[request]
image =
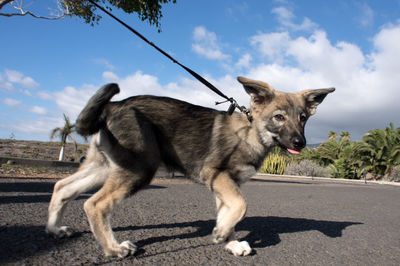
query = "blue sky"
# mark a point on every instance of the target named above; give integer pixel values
(48, 68)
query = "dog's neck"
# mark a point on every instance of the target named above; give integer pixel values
(248, 132)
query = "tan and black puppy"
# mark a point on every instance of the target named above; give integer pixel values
(131, 138)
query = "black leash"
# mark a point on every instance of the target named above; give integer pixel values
(233, 102)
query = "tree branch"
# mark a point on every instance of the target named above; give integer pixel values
(30, 13)
(19, 6)
(4, 2)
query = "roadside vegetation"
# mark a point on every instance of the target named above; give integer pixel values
(377, 156)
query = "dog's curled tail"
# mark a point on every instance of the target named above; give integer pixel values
(89, 120)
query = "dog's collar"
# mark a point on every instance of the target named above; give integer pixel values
(235, 105)
(246, 111)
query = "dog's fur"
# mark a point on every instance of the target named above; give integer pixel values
(131, 138)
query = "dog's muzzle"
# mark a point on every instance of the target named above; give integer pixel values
(297, 143)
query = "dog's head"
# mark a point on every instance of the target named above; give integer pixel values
(280, 117)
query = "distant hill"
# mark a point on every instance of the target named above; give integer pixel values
(313, 146)
(39, 150)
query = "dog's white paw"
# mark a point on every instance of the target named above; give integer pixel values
(238, 248)
(125, 249)
(60, 232)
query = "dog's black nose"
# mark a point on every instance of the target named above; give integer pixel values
(298, 142)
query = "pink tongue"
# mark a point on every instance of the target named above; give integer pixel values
(293, 151)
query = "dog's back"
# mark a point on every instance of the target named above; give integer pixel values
(182, 131)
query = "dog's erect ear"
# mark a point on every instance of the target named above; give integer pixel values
(260, 92)
(314, 97)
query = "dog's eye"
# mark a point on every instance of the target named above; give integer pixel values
(303, 117)
(279, 118)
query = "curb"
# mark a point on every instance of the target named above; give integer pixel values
(38, 163)
(337, 180)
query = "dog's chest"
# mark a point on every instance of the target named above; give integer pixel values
(244, 173)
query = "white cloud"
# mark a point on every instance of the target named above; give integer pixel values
(4, 83)
(16, 77)
(44, 95)
(282, 1)
(286, 17)
(318, 54)
(206, 44)
(284, 14)
(138, 84)
(42, 126)
(367, 14)
(273, 45)
(385, 58)
(315, 53)
(208, 52)
(200, 33)
(244, 61)
(26, 92)
(11, 102)
(104, 62)
(184, 89)
(109, 76)
(38, 110)
(71, 100)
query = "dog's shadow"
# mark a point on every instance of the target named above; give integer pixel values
(262, 231)
(265, 231)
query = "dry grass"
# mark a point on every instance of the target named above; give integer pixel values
(39, 150)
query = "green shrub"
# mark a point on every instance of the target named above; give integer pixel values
(342, 169)
(274, 164)
(306, 168)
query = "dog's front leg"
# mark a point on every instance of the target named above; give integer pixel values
(231, 208)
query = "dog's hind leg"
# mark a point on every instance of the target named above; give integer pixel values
(231, 208)
(120, 184)
(89, 176)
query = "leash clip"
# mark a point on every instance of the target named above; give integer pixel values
(235, 105)
(231, 108)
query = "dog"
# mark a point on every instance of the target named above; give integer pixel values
(132, 137)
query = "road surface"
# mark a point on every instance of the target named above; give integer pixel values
(289, 221)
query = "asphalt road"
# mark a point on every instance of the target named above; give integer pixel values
(289, 221)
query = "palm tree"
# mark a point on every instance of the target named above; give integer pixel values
(377, 153)
(64, 133)
(345, 135)
(382, 150)
(329, 151)
(332, 135)
(340, 156)
(308, 154)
